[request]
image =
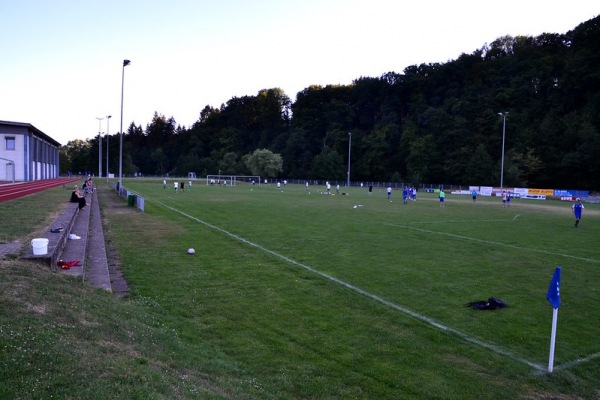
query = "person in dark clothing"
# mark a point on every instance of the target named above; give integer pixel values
(77, 197)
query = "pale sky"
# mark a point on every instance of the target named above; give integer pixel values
(61, 60)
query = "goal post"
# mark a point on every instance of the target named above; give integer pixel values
(232, 180)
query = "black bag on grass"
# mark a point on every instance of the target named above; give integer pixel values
(491, 304)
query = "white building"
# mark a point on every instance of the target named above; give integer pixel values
(26, 153)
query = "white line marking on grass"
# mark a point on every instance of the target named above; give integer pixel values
(512, 246)
(578, 361)
(372, 296)
(459, 221)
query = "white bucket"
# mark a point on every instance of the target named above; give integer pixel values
(40, 246)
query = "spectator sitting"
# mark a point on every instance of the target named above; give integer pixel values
(77, 197)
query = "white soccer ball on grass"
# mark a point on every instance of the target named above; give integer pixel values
(191, 251)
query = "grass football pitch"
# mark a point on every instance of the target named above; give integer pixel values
(292, 294)
(310, 295)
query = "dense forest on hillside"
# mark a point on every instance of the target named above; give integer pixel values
(433, 123)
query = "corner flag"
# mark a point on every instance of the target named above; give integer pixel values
(553, 295)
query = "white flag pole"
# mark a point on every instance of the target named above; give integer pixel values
(553, 340)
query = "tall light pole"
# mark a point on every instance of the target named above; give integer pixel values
(503, 115)
(349, 148)
(125, 63)
(99, 146)
(108, 117)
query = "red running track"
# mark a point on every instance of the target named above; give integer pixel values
(11, 191)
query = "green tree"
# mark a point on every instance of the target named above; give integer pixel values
(379, 157)
(480, 168)
(230, 164)
(160, 160)
(77, 155)
(263, 162)
(297, 154)
(422, 158)
(328, 165)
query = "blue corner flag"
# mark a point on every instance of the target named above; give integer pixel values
(553, 295)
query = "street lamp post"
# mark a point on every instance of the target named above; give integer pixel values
(349, 148)
(503, 115)
(125, 63)
(108, 117)
(99, 146)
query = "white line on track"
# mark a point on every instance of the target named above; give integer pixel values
(512, 246)
(407, 311)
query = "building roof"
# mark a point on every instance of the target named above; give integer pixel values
(33, 129)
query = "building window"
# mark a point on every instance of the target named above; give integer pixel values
(10, 143)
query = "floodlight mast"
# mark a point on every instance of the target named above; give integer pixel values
(503, 115)
(125, 63)
(349, 149)
(108, 117)
(99, 146)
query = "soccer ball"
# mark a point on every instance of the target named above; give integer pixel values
(191, 251)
